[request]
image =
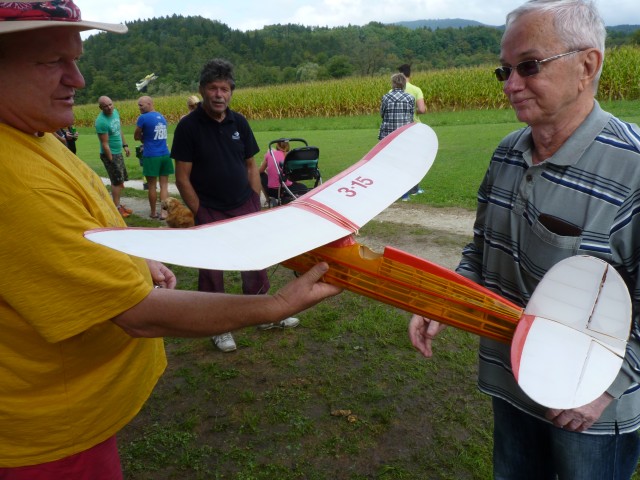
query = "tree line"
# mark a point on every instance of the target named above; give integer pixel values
(176, 47)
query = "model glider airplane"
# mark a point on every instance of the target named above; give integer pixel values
(567, 345)
(144, 82)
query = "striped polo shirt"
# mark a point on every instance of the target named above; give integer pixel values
(584, 200)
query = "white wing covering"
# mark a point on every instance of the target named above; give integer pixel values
(569, 346)
(249, 243)
(331, 211)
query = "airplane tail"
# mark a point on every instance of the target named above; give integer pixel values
(567, 345)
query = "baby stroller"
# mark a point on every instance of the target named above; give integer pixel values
(296, 170)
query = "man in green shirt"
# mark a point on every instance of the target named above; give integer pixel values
(112, 144)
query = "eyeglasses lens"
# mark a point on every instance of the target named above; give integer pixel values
(502, 73)
(525, 69)
(528, 68)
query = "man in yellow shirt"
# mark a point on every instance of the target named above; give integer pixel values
(414, 91)
(420, 108)
(81, 346)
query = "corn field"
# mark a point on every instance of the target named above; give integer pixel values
(621, 74)
(444, 90)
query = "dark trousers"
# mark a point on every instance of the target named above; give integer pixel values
(253, 282)
(526, 448)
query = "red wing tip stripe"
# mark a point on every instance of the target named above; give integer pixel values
(325, 212)
(369, 156)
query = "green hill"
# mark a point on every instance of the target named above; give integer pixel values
(176, 47)
(442, 23)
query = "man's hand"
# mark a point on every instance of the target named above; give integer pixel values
(161, 275)
(422, 331)
(581, 418)
(306, 290)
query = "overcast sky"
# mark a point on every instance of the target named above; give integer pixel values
(255, 14)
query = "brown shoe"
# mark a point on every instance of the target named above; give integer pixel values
(128, 210)
(123, 212)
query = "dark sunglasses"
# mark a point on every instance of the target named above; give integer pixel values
(528, 67)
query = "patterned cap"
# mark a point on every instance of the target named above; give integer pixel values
(20, 16)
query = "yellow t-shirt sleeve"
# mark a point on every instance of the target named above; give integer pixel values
(73, 283)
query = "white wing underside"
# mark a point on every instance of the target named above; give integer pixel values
(331, 211)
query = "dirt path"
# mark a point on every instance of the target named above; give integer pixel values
(452, 220)
(435, 234)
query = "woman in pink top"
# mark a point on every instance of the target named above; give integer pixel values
(272, 169)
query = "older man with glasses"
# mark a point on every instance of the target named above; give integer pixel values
(566, 184)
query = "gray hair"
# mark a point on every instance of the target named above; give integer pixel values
(217, 70)
(398, 80)
(577, 22)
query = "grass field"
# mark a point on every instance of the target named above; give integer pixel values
(466, 140)
(276, 408)
(342, 396)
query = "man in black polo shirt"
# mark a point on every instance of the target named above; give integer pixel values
(217, 175)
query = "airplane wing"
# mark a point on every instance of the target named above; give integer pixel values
(567, 346)
(145, 81)
(330, 211)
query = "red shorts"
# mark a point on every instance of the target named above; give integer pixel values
(101, 462)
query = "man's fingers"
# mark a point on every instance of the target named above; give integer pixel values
(317, 271)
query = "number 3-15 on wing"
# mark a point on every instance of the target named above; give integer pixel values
(359, 182)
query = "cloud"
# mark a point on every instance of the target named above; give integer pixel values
(255, 14)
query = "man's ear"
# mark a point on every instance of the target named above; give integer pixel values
(591, 64)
